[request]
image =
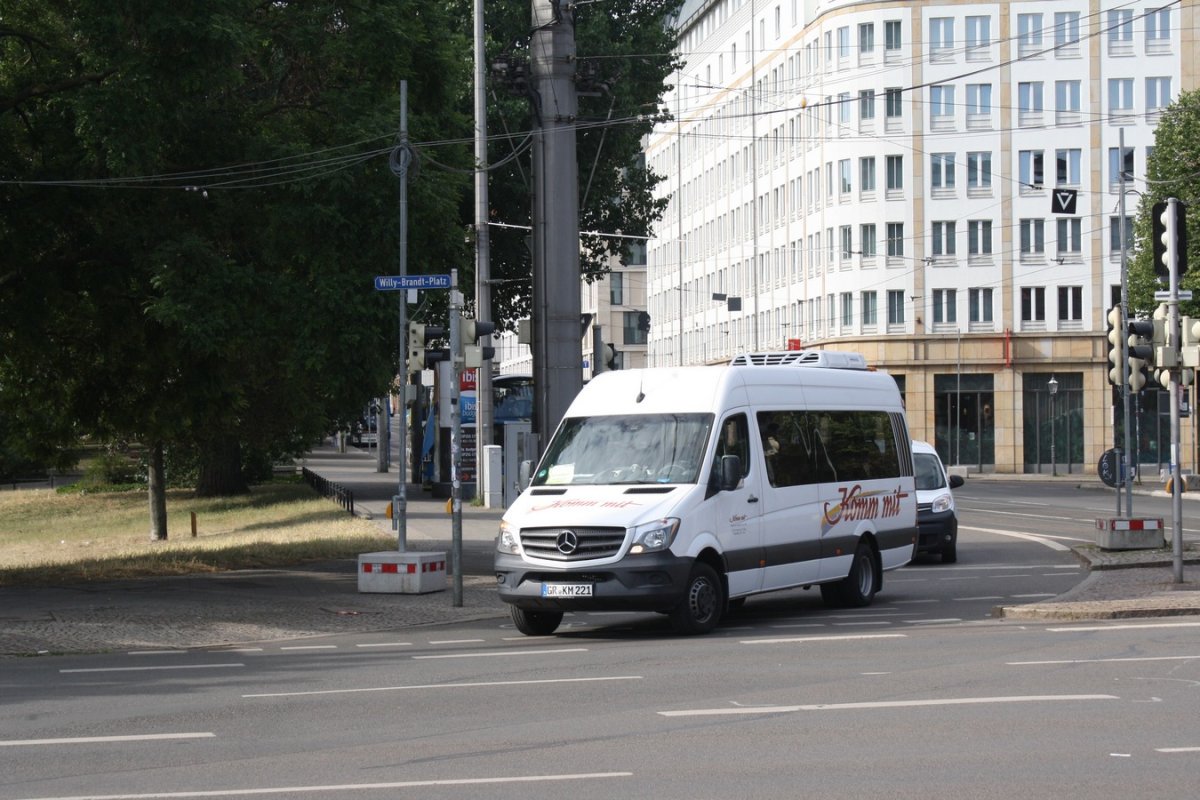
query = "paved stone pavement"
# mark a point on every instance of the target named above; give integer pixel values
(225, 609)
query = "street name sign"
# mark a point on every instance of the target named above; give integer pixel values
(394, 283)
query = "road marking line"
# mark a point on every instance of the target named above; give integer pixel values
(932, 621)
(348, 787)
(147, 669)
(1039, 594)
(493, 653)
(984, 597)
(386, 644)
(1177, 749)
(309, 647)
(1101, 660)
(1043, 540)
(799, 625)
(455, 641)
(960, 701)
(804, 639)
(155, 652)
(473, 685)
(867, 622)
(145, 737)
(1129, 627)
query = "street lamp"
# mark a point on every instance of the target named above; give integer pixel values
(1053, 384)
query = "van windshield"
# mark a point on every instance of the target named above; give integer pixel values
(929, 474)
(652, 448)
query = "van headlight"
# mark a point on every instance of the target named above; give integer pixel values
(653, 537)
(509, 539)
(943, 502)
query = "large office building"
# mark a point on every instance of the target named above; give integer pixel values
(880, 177)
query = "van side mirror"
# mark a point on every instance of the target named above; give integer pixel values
(731, 473)
(524, 472)
(956, 481)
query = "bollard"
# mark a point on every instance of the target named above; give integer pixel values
(193, 524)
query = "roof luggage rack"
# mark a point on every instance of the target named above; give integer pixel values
(830, 359)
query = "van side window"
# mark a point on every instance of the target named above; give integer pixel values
(803, 448)
(734, 440)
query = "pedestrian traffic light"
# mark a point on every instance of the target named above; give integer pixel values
(470, 332)
(418, 335)
(1116, 373)
(1169, 239)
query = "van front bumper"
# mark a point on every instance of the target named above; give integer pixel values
(937, 531)
(646, 582)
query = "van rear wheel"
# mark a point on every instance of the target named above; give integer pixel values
(858, 588)
(702, 604)
(535, 623)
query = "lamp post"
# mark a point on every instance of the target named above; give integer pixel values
(1053, 384)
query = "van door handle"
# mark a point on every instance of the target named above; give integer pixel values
(751, 499)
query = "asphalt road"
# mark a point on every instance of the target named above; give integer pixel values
(922, 694)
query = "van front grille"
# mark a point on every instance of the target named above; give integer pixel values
(572, 544)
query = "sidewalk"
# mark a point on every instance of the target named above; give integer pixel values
(227, 609)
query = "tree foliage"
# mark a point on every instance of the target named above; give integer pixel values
(1173, 170)
(625, 51)
(227, 298)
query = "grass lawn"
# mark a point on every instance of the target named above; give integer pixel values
(52, 538)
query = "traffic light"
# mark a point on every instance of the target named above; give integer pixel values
(1116, 373)
(1166, 351)
(643, 322)
(418, 335)
(1141, 351)
(471, 331)
(1189, 346)
(1169, 222)
(609, 355)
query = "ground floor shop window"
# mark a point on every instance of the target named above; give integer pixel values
(1052, 427)
(965, 420)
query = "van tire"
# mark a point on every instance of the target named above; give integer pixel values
(702, 604)
(535, 623)
(857, 589)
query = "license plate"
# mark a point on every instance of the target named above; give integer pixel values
(566, 590)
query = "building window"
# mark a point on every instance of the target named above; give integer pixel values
(847, 309)
(945, 306)
(847, 242)
(844, 175)
(870, 309)
(941, 105)
(979, 35)
(979, 237)
(1120, 96)
(894, 103)
(632, 327)
(895, 239)
(1158, 30)
(891, 35)
(1114, 235)
(895, 300)
(1120, 31)
(941, 170)
(866, 104)
(1033, 237)
(941, 36)
(895, 173)
(1033, 304)
(1066, 32)
(979, 99)
(1070, 303)
(1066, 167)
(980, 301)
(843, 108)
(943, 235)
(616, 288)
(979, 171)
(868, 247)
(1029, 103)
(1117, 165)
(1158, 94)
(866, 175)
(1070, 237)
(1031, 170)
(1029, 34)
(866, 39)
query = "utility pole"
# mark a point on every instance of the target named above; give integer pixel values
(400, 162)
(557, 351)
(483, 286)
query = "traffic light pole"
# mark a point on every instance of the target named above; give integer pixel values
(1174, 338)
(1126, 459)
(400, 163)
(456, 370)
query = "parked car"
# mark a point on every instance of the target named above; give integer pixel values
(936, 517)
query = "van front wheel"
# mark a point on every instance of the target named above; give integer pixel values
(702, 604)
(535, 623)
(858, 588)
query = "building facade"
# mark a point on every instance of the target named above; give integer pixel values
(882, 176)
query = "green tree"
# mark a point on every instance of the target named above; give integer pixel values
(625, 51)
(1173, 170)
(153, 294)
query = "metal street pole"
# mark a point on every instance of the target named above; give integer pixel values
(1173, 340)
(456, 370)
(1127, 477)
(400, 161)
(483, 286)
(1053, 439)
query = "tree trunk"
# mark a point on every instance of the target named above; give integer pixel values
(221, 468)
(157, 481)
